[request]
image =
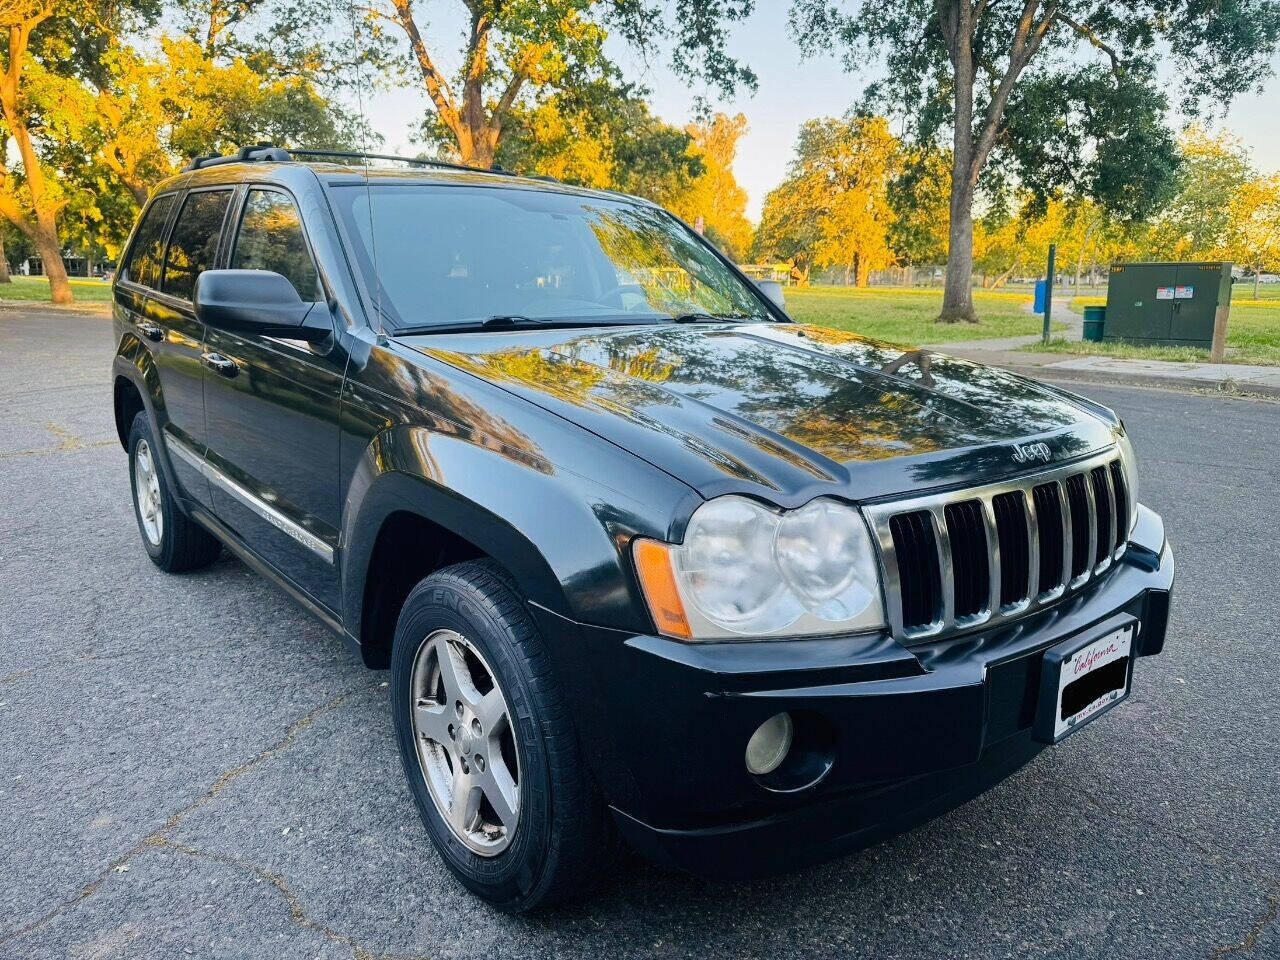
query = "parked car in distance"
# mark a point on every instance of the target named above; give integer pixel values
(646, 559)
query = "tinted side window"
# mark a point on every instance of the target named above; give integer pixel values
(271, 238)
(144, 259)
(193, 244)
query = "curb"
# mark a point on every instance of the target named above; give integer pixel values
(1234, 388)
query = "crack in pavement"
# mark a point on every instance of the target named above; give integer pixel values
(1269, 916)
(158, 837)
(297, 910)
(68, 442)
(99, 657)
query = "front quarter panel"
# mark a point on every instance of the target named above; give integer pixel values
(555, 504)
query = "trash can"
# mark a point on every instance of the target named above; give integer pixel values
(1094, 318)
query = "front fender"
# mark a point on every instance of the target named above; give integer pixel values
(562, 535)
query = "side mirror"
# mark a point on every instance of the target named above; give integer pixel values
(257, 301)
(773, 290)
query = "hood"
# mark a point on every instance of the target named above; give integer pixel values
(785, 411)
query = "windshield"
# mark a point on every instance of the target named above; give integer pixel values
(448, 255)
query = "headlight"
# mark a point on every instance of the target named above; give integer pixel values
(745, 570)
(1129, 464)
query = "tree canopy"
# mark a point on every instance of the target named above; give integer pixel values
(833, 209)
(1064, 93)
(538, 48)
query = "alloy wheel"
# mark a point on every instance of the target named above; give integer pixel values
(465, 742)
(146, 486)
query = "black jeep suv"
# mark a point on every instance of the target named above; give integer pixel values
(645, 558)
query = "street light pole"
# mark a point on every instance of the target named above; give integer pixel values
(1048, 292)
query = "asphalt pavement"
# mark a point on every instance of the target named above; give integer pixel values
(191, 766)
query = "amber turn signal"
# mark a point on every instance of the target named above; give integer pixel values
(658, 581)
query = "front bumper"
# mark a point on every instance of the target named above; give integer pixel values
(903, 734)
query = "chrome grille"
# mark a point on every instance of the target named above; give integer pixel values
(958, 560)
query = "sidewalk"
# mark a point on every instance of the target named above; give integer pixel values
(1006, 352)
(1229, 377)
(1063, 314)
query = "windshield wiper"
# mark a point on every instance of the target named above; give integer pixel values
(509, 322)
(513, 320)
(698, 317)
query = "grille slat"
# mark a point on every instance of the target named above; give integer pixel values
(920, 588)
(1015, 548)
(1051, 526)
(1105, 514)
(967, 532)
(1078, 503)
(1122, 503)
(982, 555)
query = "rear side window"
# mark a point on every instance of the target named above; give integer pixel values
(271, 238)
(144, 259)
(193, 244)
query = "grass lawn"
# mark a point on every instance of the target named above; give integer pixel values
(906, 315)
(1253, 332)
(37, 288)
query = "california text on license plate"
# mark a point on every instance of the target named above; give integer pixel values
(1090, 679)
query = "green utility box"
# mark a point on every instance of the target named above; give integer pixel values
(1170, 304)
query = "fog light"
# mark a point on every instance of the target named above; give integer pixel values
(768, 746)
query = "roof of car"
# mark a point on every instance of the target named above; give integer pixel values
(295, 171)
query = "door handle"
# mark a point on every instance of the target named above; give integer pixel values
(220, 364)
(151, 331)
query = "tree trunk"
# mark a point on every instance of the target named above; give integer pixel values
(4, 264)
(1000, 280)
(44, 230)
(957, 290)
(1255, 283)
(46, 240)
(863, 272)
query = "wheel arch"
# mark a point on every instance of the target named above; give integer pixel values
(135, 387)
(406, 528)
(127, 403)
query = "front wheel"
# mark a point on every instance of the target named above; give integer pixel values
(487, 745)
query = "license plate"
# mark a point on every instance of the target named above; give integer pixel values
(1084, 678)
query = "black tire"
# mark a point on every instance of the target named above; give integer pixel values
(564, 836)
(182, 543)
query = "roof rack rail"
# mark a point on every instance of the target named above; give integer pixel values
(259, 152)
(267, 153)
(417, 161)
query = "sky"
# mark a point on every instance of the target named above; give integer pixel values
(791, 90)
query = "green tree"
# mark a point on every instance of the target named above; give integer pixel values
(514, 47)
(788, 233)
(833, 209)
(48, 52)
(956, 66)
(1255, 214)
(598, 134)
(715, 198)
(919, 196)
(1198, 221)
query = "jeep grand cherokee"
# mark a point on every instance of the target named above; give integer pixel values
(645, 558)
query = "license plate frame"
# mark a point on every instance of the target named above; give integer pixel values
(1098, 657)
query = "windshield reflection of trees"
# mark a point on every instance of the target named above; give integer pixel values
(675, 273)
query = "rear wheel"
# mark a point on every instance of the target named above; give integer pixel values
(490, 753)
(173, 540)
